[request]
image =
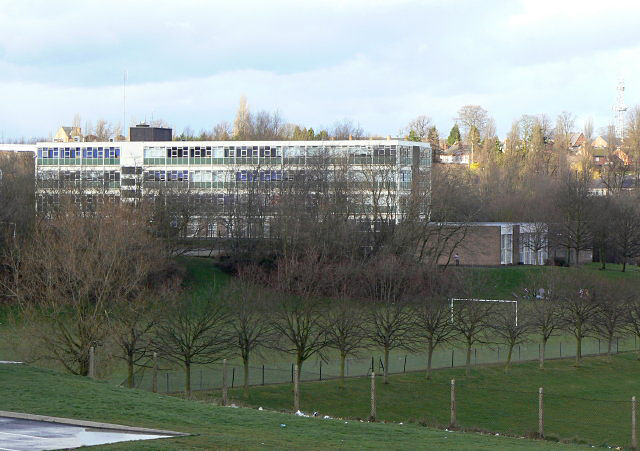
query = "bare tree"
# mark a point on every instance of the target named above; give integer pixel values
(385, 285)
(193, 329)
(222, 131)
(243, 125)
(75, 268)
(297, 311)
(249, 315)
(579, 310)
(344, 324)
(611, 316)
(419, 128)
(470, 321)
(510, 329)
(626, 228)
(433, 315)
(544, 309)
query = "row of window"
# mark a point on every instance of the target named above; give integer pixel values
(265, 151)
(212, 176)
(78, 152)
(89, 176)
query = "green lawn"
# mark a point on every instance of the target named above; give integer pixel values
(590, 403)
(39, 391)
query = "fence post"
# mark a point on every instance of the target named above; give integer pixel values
(452, 358)
(154, 376)
(634, 432)
(453, 403)
(262, 374)
(296, 390)
(519, 358)
(372, 364)
(404, 368)
(224, 382)
(92, 363)
(372, 417)
(498, 353)
(540, 412)
(475, 355)
(233, 375)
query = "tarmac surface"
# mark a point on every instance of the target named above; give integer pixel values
(18, 435)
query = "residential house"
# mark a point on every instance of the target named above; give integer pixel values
(599, 143)
(455, 154)
(68, 134)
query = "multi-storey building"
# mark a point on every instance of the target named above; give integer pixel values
(217, 170)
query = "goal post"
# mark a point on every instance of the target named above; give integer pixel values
(503, 301)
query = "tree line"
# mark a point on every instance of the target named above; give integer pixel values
(102, 280)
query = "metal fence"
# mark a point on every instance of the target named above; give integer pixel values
(209, 377)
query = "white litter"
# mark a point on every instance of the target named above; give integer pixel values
(327, 417)
(302, 414)
(282, 425)
(260, 408)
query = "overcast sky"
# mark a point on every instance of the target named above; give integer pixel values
(379, 63)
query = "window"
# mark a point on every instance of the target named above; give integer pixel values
(255, 152)
(197, 152)
(506, 249)
(267, 152)
(185, 151)
(174, 152)
(89, 152)
(78, 153)
(55, 152)
(207, 152)
(99, 153)
(243, 152)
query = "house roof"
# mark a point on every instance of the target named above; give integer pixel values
(599, 142)
(575, 137)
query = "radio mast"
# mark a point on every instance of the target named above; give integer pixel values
(620, 109)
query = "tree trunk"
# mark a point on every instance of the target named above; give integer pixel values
(386, 365)
(342, 359)
(609, 346)
(507, 364)
(578, 350)
(296, 385)
(245, 361)
(187, 379)
(429, 358)
(624, 264)
(542, 350)
(468, 365)
(130, 371)
(603, 256)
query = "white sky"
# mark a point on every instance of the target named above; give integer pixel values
(379, 63)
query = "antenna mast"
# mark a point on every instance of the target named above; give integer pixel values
(124, 104)
(620, 109)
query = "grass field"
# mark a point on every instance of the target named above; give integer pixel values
(40, 391)
(589, 404)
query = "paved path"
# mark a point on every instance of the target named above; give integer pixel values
(26, 435)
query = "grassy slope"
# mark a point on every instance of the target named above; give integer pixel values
(489, 399)
(39, 391)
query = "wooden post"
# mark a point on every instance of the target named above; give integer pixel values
(154, 376)
(296, 389)
(453, 403)
(92, 363)
(404, 368)
(262, 374)
(224, 382)
(634, 418)
(452, 358)
(540, 413)
(372, 417)
(233, 375)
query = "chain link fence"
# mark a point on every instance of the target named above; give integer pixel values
(209, 377)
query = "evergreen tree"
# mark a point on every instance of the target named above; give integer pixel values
(454, 135)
